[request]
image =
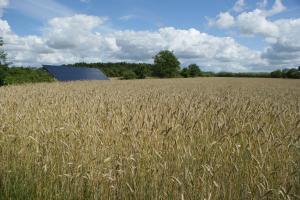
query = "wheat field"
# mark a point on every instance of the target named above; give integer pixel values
(202, 138)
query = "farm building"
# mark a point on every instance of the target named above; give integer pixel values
(66, 73)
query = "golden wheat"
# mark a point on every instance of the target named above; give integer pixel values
(203, 138)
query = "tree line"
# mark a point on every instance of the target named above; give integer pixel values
(286, 73)
(166, 65)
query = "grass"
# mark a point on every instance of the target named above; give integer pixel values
(203, 138)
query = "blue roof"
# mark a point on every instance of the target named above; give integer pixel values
(65, 73)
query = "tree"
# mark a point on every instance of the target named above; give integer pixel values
(3, 74)
(284, 73)
(3, 55)
(141, 71)
(184, 73)
(128, 75)
(194, 70)
(293, 73)
(3, 63)
(166, 65)
(276, 74)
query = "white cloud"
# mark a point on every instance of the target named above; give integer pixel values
(71, 39)
(285, 49)
(81, 37)
(64, 40)
(4, 28)
(76, 34)
(239, 6)
(256, 23)
(76, 23)
(282, 36)
(224, 20)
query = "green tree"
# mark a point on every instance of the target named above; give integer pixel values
(3, 64)
(184, 73)
(19, 75)
(2, 53)
(129, 75)
(3, 74)
(293, 73)
(276, 74)
(194, 70)
(284, 73)
(141, 71)
(166, 65)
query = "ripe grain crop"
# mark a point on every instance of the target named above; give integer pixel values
(202, 138)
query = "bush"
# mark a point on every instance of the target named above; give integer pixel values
(194, 70)
(184, 73)
(225, 74)
(276, 74)
(293, 73)
(208, 74)
(129, 75)
(19, 75)
(3, 74)
(141, 71)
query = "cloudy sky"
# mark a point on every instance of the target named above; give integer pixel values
(218, 35)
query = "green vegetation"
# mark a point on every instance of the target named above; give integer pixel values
(19, 75)
(129, 75)
(166, 65)
(276, 74)
(3, 73)
(286, 73)
(3, 64)
(119, 69)
(245, 74)
(2, 53)
(193, 70)
(142, 71)
(184, 73)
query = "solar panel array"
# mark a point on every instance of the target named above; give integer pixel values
(65, 73)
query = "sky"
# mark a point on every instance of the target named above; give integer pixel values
(217, 35)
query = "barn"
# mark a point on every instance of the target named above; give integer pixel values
(66, 73)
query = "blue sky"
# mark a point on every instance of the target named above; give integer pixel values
(232, 31)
